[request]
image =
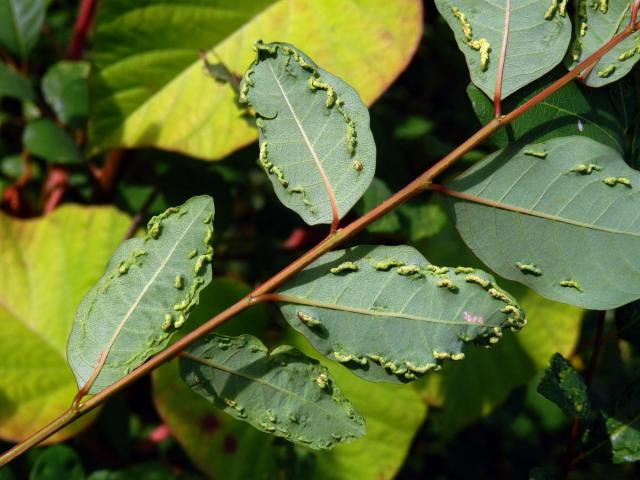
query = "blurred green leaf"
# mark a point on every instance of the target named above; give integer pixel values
(148, 78)
(565, 387)
(58, 462)
(65, 89)
(413, 128)
(147, 292)
(20, 25)
(572, 110)
(66, 252)
(45, 139)
(377, 192)
(13, 85)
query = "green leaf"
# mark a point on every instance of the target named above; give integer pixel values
(65, 89)
(393, 413)
(537, 40)
(20, 25)
(569, 111)
(231, 449)
(389, 315)
(13, 85)
(62, 255)
(283, 392)
(617, 437)
(315, 141)
(466, 391)
(423, 221)
(45, 139)
(565, 387)
(6, 473)
(56, 462)
(564, 225)
(378, 192)
(148, 79)
(148, 289)
(595, 24)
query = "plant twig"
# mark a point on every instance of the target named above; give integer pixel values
(418, 185)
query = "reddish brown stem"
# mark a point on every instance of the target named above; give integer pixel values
(260, 294)
(497, 91)
(81, 29)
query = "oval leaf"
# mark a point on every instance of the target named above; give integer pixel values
(389, 315)
(315, 141)
(538, 38)
(137, 106)
(64, 87)
(284, 393)
(45, 139)
(596, 23)
(149, 288)
(560, 217)
(20, 25)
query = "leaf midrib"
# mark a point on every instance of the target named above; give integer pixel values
(223, 368)
(314, 155)
(535, 213)
(365, 311)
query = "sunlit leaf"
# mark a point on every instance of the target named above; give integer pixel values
(58, 461)
(64, 87)
(150, 286)
(66, 252)
(150, 88)
(389, 315)
(47, 140)
(13, 85)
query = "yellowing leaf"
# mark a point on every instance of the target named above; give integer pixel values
(48, 264)
(149, 87)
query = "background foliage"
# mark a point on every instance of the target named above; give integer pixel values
(72, 184)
